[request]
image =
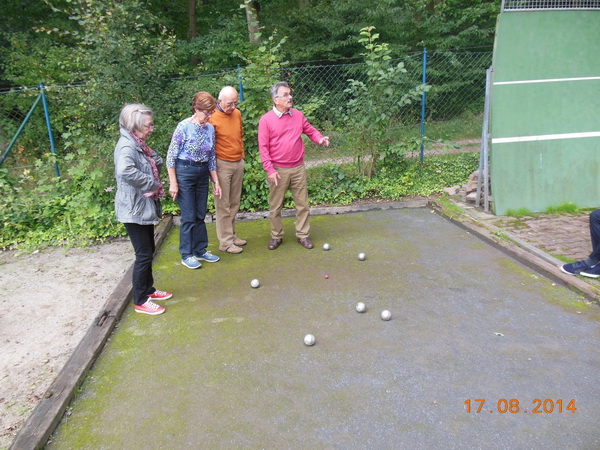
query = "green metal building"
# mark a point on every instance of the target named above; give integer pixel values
(545, 105)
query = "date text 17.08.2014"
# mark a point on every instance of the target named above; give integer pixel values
(513, 406)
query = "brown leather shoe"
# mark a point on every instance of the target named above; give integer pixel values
(306, 243)
(274, 243)
(233, 249)
(239, 242)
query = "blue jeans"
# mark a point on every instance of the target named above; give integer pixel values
(595, 235)
(192, 199)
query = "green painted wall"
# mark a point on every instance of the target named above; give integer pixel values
(545, 45)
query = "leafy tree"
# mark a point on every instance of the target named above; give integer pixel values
(119, 54)
(218, 49)
(376, 103)
(406, 25)
(123, 54)
(317, 29)
(29, 46)
(448, 24)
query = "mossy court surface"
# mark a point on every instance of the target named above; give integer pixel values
(226, 366)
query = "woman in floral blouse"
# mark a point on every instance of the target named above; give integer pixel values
(191, 162)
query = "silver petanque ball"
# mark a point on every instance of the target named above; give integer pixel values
(309, 340)
(255, 283)
(361, 307)
(362, 256)
(326, 247)
(386, 315)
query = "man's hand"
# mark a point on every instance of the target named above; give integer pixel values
(272, 177)
(217, 190)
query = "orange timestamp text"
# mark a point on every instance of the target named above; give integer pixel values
(513, 406)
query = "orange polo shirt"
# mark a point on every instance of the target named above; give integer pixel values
(229, 144)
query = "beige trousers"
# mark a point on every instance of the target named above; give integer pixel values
(293, 179)
(231, 175)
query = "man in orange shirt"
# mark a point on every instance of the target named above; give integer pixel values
(229, 148)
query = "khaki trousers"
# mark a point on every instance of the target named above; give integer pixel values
(230, 174)
(294, 179)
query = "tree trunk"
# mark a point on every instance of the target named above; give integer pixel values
(252, 8)
(192, 32)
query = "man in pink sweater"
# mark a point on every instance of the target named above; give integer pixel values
(282, 153)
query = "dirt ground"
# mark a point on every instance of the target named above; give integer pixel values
(49, 299)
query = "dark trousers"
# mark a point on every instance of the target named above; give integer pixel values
(142, 239)
(192, 199)
(595, 235)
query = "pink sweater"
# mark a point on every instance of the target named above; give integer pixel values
(280, 139)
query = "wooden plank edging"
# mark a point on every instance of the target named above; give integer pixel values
(42, 422)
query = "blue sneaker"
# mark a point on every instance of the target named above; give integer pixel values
(594, 272)
(208, 257)
(191, 263)
(576, 268)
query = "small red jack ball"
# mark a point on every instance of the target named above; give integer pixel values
(326, 276)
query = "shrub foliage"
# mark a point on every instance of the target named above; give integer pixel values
(38, 209)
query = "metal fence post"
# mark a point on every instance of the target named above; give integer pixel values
(423, 103)
(50, 135)
(14, 139)
(483, 178)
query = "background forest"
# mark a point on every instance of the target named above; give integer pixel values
(95, 55)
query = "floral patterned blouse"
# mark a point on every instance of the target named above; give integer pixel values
(192, 142)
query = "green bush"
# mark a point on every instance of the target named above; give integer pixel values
(333, 184)
(375, 103)
(37, 209)
(410, 177)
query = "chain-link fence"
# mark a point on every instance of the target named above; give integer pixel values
(540, 5)
(457, 81)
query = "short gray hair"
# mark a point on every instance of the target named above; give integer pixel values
(133, 115)
(273, 89)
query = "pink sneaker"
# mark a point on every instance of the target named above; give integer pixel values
(150, 308)
(160, 295)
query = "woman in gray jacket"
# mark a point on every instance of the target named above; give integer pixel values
(137, 202)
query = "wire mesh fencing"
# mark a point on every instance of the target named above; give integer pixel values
(540, 5)
(15, 108)
(457, 81)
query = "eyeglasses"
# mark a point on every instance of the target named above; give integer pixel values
(230, 104)
(206, 113)
(149, 126)
(287, 94)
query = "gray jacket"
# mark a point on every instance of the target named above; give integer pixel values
(134, 179)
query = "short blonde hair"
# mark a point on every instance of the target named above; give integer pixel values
(133, 116)
(203, 101)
